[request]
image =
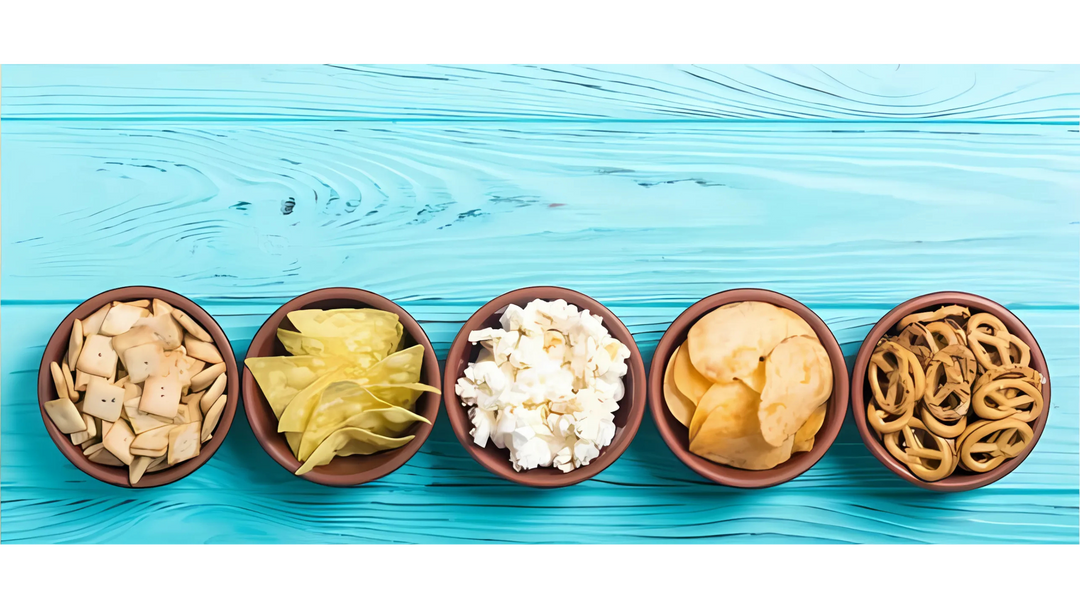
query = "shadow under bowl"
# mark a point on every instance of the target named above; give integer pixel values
(354, 469)
(960, 480)
(677, 435)
(627, 418)
(57, 347)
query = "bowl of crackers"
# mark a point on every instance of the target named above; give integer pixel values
(950, 391)
(138, 386)
(748, 388)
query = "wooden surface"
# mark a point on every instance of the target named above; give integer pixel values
(848, 188)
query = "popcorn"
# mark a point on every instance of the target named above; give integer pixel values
(546, 386)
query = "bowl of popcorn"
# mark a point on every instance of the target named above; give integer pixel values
(138, 387)
(544, 386)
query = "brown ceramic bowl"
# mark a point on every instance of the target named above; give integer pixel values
(58, 345)
(676, 435)
(627, 418)
(354, 469)
(961, 480)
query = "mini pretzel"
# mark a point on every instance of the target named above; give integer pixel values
(948, 382)
(991, 401)
(910, 446)
(940, 428)
(944, 333)
(905, 379)
(940, 314)
(985, 445)
(915, 339)
(1007, 349)
(879, 422)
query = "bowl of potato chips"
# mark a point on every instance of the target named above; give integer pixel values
(339, 386)
(950, 391)
(748, 388)
(138, 386)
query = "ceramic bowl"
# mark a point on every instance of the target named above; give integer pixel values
(57, 347)
(677, 436)
(961, 480)
(354, 469)
(627, 418)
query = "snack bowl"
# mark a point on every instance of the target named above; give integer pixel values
(861, 395)
(354, 469)
(57, 347)
(675, 434)
(627, 418)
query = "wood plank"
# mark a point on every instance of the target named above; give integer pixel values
(851, 219)
(539, 92)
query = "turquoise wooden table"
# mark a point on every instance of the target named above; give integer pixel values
(849, 188)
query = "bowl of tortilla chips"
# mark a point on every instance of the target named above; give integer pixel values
(748, 388)
(338, 386)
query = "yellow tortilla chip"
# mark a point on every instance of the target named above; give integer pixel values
(375, 329)
(687, 379)
(337, 441)
(729, 432)
(295, 416)
(293, 438)
(677, 402)
(798, 378)
(356, 352)
(281, 378)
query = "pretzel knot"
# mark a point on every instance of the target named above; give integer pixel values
(993, 401)
(993, 345)
(940, 428)
(904, 380)
(948, 382)
(953, 312)
(986, 444)
(929, 457)
(885, 424)
(917, 340)
(944, 333)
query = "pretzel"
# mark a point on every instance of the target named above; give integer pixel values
(948, 382)
(905, 379)
(881, 425)
(909, 445)
(987, 330)
(915, 339)
(940, 314)
(986, 444)
(945, 333)
(991, 401)
(940, 428)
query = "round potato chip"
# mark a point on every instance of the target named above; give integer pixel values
(730, 342)
(687, 379)
(798, 378)
(677, 402)
(725, 430)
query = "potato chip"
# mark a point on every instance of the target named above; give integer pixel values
(677, 402)
(379, 330)
(804, 436)
(687, 379)
(337, 441)
(730, 342)
(756, 380)
(728, 433)
(357, 352)
(283, 377)
(798, 378)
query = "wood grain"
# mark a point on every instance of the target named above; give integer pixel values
(242, 187)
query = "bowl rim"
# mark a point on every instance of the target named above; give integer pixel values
(458, 414)
(727, 475)
(954, 482)
(46, 387)
(253, 396)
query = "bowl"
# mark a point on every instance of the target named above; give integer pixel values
(960, 480)
(57, 347)
(627, 418)
(354, 469)
(675, 434)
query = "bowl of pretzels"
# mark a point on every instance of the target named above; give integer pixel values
(950, 391)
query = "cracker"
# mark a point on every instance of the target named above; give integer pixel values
(191, 326)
